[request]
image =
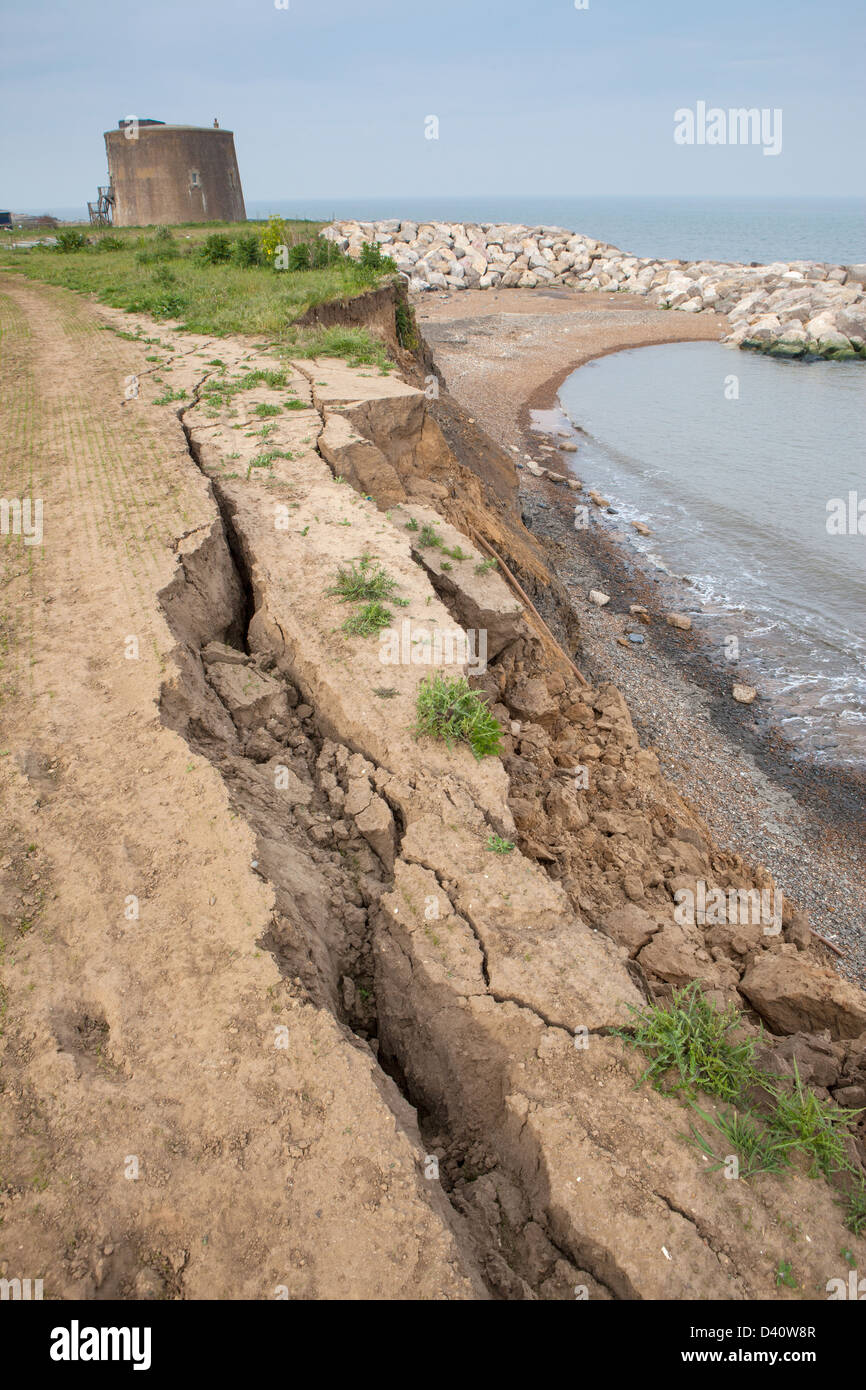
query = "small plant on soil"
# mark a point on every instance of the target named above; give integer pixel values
(757, 1151)
(815, 1127)
(784, 1275)
(485, 566)
(456, 552)
(498, 845)
(263, 409)
(856, 1208)
(448, 709)
(429, 537)
(170, 396)
(411, 524)
(688, 1041)
(363, 580)
(369, 620)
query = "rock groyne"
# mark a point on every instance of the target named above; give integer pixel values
(792, 309)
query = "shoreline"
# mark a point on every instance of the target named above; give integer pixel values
(758, 796)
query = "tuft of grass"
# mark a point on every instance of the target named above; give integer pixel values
(486, 565)
(411, 524)
(758, 1150)
(498, 845)
(690, 1037)
(170, 396)
(817, 1128)
(855, 1216)
(263, 409)
(428, 537)
(448, 709)
(363, 580)
(369, 620)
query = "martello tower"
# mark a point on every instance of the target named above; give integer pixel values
(165, 174)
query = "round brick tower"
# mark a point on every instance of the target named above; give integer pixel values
(166, 174)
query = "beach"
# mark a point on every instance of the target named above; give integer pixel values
(504, 355)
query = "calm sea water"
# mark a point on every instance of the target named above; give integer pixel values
(692, 229)
(736, 493)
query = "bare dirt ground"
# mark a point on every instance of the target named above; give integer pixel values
(154, 1140)
(504, 355)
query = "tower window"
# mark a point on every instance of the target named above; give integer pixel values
(194, 179)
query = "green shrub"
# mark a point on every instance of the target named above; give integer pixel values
(216, 249)
(299, 256)
(247, 250)
(448, 709)
(108, 243)
(68, 239)
(325, 253)
(371, 258)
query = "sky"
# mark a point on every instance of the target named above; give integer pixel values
(331, 98)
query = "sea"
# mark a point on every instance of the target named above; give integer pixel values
(750, 473)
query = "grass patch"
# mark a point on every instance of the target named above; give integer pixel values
(369, 620)
(689, 1046)
(222, 282)
(358, 347)
(498, 845)
(449, 710)
(363, 580)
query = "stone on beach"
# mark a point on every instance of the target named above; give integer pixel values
(679, 620)
(744, 694)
